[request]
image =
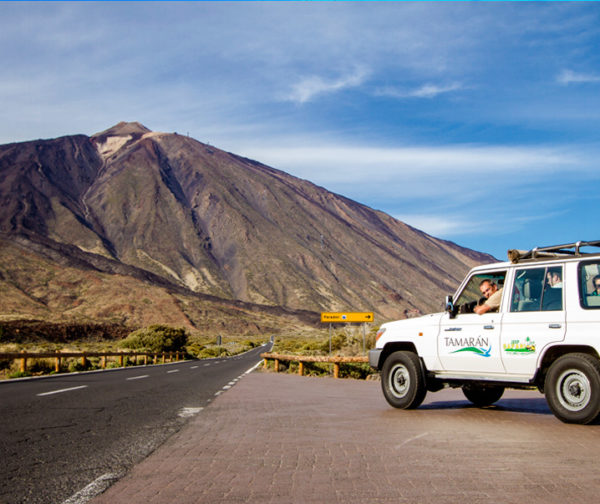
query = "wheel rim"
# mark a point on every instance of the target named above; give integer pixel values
(399, 380)
(573, 390)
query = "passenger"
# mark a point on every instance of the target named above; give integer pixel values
(596, 285)
(552, 299)
(493, 297)
(554, 279)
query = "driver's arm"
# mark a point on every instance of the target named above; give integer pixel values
(481, 309)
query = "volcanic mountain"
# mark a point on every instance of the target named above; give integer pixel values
(179, 214)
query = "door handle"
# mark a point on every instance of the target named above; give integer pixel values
(554, 326)
(488, 327)
(453, 329)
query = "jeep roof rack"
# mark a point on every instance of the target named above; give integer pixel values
(552, 252)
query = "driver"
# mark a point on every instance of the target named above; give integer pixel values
(493, 297)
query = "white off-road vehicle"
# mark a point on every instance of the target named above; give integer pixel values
(545, 335)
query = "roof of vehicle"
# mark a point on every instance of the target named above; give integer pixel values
(566, 251)
(550, 253)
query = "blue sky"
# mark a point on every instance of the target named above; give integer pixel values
(475, 122)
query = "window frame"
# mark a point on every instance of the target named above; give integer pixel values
(494, 275)
(583, 296)
(546, 268)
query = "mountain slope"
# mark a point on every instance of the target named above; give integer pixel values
(216, 223)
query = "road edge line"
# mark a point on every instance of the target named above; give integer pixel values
(93, 489)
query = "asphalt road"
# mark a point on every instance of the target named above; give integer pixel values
(58, 434)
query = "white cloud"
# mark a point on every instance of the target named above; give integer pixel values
(569, 77)
(425, 91)
(443, 226)
(356, 162)
(311, 87)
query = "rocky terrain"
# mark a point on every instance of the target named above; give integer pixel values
(134, 226)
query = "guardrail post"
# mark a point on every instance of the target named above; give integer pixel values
(121, 359)
(103, 362)
(276, 365)
(145, 359)
(336, 369)
(265, 363)
(300, 368)
(83, 360)
(57, 364)
(23, 361)
(164, 358)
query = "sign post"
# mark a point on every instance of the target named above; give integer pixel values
(347, 318)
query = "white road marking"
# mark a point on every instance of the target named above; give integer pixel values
(138, 377)
(218, 392)
(206, 365)
(194, 367)
(173, 371)
(253, 367)
(189, 412)
(412, 439)
(62, 390)
(94, 488)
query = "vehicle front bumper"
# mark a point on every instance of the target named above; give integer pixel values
(374, 356)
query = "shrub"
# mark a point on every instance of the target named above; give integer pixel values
(157, 338)
(213, 351)
(338, 341)
(19, 374)
(41, 366)
(75, 366)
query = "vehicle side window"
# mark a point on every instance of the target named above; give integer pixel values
(537, 289)
(471, 295)
(589, 285)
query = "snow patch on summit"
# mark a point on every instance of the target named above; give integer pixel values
(112, 144)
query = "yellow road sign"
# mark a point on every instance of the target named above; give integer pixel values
(343, 317)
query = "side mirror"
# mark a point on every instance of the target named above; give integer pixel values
(450, 306)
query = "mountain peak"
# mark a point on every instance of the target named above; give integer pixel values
(111, 140)
(123, 129)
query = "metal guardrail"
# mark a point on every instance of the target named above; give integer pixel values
(302, 359)
(124, 357)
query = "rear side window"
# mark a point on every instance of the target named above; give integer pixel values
(538, 289)
(589, 284)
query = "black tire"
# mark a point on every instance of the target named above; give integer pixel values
(482, 395)
(403, 380)
(572, 388)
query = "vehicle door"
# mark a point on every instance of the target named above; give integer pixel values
(535, 318)
(469, 342)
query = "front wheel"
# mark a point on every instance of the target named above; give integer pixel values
(572, 388)
(403, 380)
(483, 395)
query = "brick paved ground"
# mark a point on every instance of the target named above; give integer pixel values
(283, 438)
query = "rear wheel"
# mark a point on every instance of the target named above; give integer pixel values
(403, 380)
(572, 388)
(482, 395)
